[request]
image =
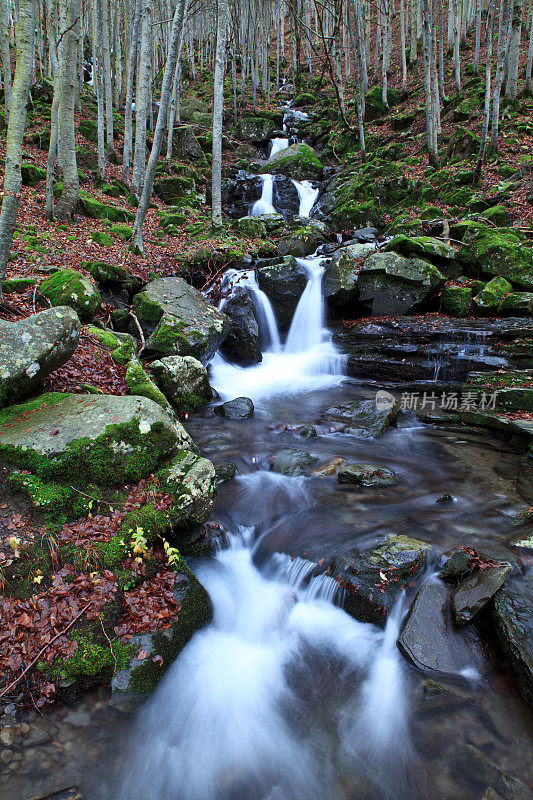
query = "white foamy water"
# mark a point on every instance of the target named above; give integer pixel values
(307, 196)
(264, 204)
(276, 145)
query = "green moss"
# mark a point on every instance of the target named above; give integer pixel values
(123, 232)
(91, 659)
(17, 284)
(139, 383)
(153, 522)
(498, 251)
(101, 238)
(456, 300)
(70, 288)
(91, 208)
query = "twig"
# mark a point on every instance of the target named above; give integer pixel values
(141, 334)
(33, 299)
(110, 645)
(42, 650)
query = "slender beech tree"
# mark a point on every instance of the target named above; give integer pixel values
(15, 131)
(5, 59)
(66, 205)
(142, 97)
(511, 85)
(500, 69)
(218, 112)
(128, 113)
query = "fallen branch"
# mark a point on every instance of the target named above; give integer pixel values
(141, 334)
(42, 650)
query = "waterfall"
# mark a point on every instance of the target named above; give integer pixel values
(264, 204)
(307, 196)
(307, 325)
(276, 145)
(232, 282)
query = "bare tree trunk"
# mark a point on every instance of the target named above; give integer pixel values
(51, 10)
(440, 20)
(5, 59)
(478, 36)
(402, 45)
(358, 84)
(108, 77)
(500, 68)
(218, 110)
(67, 96)
(172, 112)
(431, 122)
(174, 52)
(456, 43)
(128, 114)
(15, 131)
(142, 98)
(98, 69)
(486, 109)
(529, 59)
(511, 86)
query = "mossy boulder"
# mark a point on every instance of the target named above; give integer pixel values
(177, 320)
(392, 284)
(124, 232)
(299, 161)
(304, 99)
(134, 681)
(89, 130)
(183, 380)
(101, 238)
(498, 251)
(173, 189)
(517, 304)
(102, 439)
(255, 129)
(374, 105)
(33, 347)
(112, 276)
(366, 475)
(17, 284)
(192, 105)
(123, 346)
(32, 174)
(498, 215)
(303, 241)
(423, 246)
(489, 298)
(463, 144)
(293, 463)
(192, 482)
(66, 287)
(185, 145)
(340, 276)
(400, 122)
(456, 300)
(252, 227)
(139, 383)
(89, 207)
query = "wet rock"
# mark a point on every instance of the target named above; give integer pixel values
(498, 252)
(513, 617)
(185, 145)
(111, 276)
(435, 250)
(394, 285)
(430, 640)
(107, 439)
(489, 299)
(362, 418)
(225, 472)
(293, 462)
(306, 432)
(473, 594)
(242, 345)
(66, 287)
(517, 304)
(192, 481)
(183, 380)
(177, 320)
(155, 652)
(340, 276)
(299, 161)
(373, 579)
(240, 408)
(79, 719)
(34, 347)
(328, 469)
(487, 772)
(367, 475)
(365, 235)
(272, 222)
(255, 129)
(456, 566)
(303, 241)
(283, 282)
(240, 192)
(286, 198)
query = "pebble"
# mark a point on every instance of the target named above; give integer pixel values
(78, 718)
(7, 736)
(6, 756)
(36, 737)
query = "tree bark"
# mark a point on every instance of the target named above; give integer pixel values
(67, 97)
(128, 114)
(5, 59)
(218, 110)
(511, 86)
(142, 98)
(500, 68)
(15, 131)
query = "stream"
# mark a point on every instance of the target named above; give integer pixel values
(284, 696)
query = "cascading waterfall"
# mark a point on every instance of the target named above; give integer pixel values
(237, 715)
(278, 144)
(307, 196)
(232, 282)
(264, 204)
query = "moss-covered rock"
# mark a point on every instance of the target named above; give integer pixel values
(89, 207)
(192, 482)
(183, 380)
(124, 232)
(123, 346)
(303, 241)
(59, 503)
(374, 105)
(173, 189)
(66, 287)
(489, 298)
(89, 130)
(304, 99)
(32, 174)
(512, 614)
(139, 383)
(111, 275)
(101, 238)
(340, 276)
(516, 304)
(423, 246)
(255, 129)
(298, 161)
(293, 463)
(101, 439)
(498, 215)
(392, 284)
(17, 284)
(463, 144)
(498, 251)
(32, 348)
(456, 300)
(178, 320)
(252, 227)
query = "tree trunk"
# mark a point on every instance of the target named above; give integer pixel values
(529, 59)
(108, 78)
(486, 109)
(98, 69)
(128, 114)
(218, 109)
(5, 59)
(478, 36)
(67, 97)
(142, 98)
(16, 127)
(500, 68)
(174, 52)
(431, 122)
(511, 86)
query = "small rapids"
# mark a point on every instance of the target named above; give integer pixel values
(283, 696)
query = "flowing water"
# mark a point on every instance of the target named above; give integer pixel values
(264, 204)
(283, 696)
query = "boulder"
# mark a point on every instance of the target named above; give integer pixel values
(285, 195)
(430, 640)
(303, 241)
(153, 653)
(242, 345)
(340, 276)
(185, 145)
(177, 320)
(456, 300)
(293, 462)
(433, 250)
(473, 594)
(103, 439)
(139, 383)
(32, 348)
(192, 105)
(173, 189)
(373, 579)
(283, 282)
(240, 408)
(498, 252)
(502, 786)
(513, 618)
(66, 287)
(253, 227)
(516, 304)
(363, 418)
(192, 481)
(32, 174)
(463, 144)
(367, 475)
(255, 129)
(299, 161)
(183, 380)
(112, 276)
(394, 285)
(489, 299)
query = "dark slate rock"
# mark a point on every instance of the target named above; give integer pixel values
(513, 616)
(293, 462)
(473, 594)
(242, 344)
(367, 475)
(240, 408)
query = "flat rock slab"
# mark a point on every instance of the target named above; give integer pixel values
(106, 439)
(431, 641)
(474, 592)
(32, 348)
(367, 475)
(240, 408)
(513, 616)
(362, 418)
